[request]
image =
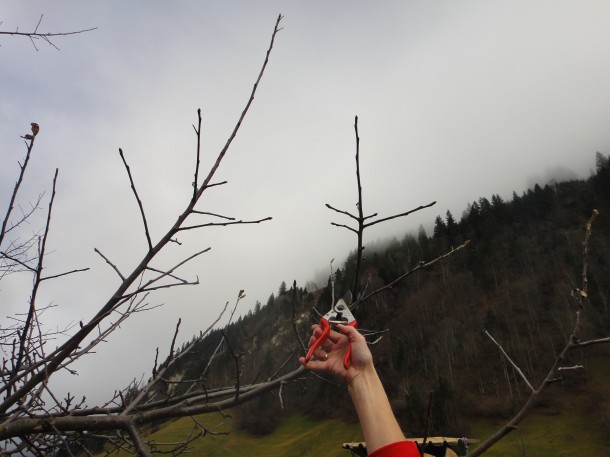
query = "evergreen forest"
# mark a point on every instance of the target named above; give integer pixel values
(514, 280)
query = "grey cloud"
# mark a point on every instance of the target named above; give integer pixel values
(455, 102)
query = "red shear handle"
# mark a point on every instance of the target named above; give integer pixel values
(316, 344)
(348, 355)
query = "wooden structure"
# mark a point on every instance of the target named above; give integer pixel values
(436, 446)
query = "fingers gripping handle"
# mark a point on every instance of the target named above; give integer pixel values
(348, 354)
(325, 332)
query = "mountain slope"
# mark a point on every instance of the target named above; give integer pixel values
(513, 280)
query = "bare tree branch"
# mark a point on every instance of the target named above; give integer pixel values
(551, 377)
(342, 212)
(294, 317)
(514, 365)
(139, 445)
(171, 349)
(215, 215)
(114, 267)
(361, 219)
(35, 35)
(135, 192)
(37, 278)
(171, 270)
(79, 270)
(198, 134)
(136, 403)
(235, 356)
(582, 344)
(11, 204)
(422, 265)
(406, 213)
(17, 261)
(224, 150)
(224, 224)
(97, 423)
(345, 226)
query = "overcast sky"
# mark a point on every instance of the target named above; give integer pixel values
(456, 100)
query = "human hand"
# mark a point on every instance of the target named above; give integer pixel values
(329, 356)
(377, 420)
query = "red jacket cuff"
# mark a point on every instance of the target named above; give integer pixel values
(397, 449)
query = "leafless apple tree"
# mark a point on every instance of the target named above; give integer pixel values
(33, 419)
(36, 421)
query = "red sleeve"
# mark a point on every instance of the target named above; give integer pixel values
(397, 449)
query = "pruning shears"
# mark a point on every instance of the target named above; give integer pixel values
(338, 314)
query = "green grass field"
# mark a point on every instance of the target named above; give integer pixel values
(561, 434)
(296, 437)
(571, 424)
(556, 433)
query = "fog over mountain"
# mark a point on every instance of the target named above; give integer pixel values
(455, 101)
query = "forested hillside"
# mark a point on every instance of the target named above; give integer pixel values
(514, 280)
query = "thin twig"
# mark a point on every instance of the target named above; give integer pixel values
(421, 265)
(581, 344)
(130, 295)
(16, 189)
(235, 358)
(171, 349)
(23, 337)
(224, 224)
(224, 150)
(342, 212)
(360, 233)
(135, 192)
(279, 394)
(157, 375)
(288, 358)
(206, 213)
(294, 316)
(110, 263)
(572, 368)
(198, 133)
(514, 365)
(138, 443)
(35, 35)
(163, 274)
(80, 270)
(167, 274)
(16, 260)
(345, 226)
(406, 213)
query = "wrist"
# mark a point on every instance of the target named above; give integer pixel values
(363, 381)
(377, 420)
